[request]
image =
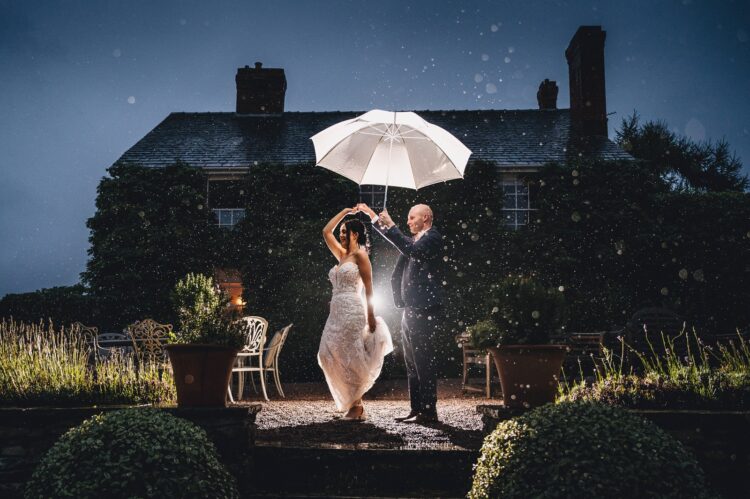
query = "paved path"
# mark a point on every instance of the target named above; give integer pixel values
(306, 418)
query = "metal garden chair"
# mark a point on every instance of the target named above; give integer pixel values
(250, 358)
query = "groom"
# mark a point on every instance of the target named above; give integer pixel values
(416, 289)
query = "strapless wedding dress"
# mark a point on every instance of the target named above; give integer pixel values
(350, 355)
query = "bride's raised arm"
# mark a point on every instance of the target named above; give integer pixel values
(331, 240)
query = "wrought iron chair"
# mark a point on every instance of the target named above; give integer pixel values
(104, 352)
(472, 356)
(88, 333)
(271, 354)
(149, 338)
(255, 339)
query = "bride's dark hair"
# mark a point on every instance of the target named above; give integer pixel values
(357, 227)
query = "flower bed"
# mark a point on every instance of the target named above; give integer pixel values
(44, 366)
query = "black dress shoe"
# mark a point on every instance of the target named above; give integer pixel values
(410, 416)
(426, 418)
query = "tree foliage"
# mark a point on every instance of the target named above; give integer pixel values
(151, 227)
(687, 165)
(617, 239)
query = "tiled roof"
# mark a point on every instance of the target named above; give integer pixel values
(510, 138)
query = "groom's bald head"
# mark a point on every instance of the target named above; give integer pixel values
(420, 218)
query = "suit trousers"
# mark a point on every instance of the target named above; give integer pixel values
(419, 328)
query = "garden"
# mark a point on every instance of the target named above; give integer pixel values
(652, 411)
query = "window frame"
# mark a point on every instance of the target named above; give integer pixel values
(234, 218)
(512, 222)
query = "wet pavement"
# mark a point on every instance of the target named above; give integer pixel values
(307, 417)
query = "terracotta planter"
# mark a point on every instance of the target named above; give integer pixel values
(201, 373)
(528, 373)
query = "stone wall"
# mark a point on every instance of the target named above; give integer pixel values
(26, 434)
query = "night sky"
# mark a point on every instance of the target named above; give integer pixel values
(82, 81)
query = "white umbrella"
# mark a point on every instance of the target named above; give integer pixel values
(391, 148)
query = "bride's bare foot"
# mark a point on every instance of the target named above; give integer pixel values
(356, 413)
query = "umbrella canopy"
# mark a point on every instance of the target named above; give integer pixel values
(391, 149)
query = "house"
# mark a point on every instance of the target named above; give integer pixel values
(227, 144)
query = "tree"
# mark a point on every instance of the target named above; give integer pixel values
(687, 165)
(616, 239)
(151, 227)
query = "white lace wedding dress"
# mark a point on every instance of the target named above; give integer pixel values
(350, 355)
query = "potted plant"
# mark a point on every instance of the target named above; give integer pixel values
(525, 316)
(203, 351)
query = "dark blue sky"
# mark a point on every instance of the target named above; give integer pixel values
(82, 81)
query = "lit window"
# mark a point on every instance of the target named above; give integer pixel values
(373, 196)
(516, 202)
(228, 217)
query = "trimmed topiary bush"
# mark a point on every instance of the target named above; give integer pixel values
(132, 453)
(584, 450)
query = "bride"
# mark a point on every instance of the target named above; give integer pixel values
(354, 341)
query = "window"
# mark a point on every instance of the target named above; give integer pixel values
(373, 196)
(228, 217)
(516, 202)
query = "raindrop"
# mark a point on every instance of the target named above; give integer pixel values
(494, 28)
(683, 273)
(664, 291)
(463, 225)
(507, 59)
(495, 310)
(698, 275)
(116, 53)
(576, 217)
(131, 100)
(574, 173)
(485, 57)
(535, 314)
(490, 88)
(478, 78)
(445, 258)
(475, 237)
(561, 288)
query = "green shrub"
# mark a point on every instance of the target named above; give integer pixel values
(132, 453)
(483, 334)
(525, 312)
(204, 313)
(584, 450)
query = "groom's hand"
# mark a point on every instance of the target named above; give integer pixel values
(366, 209)
(385, 219)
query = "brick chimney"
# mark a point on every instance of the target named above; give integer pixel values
(546, 96)
(588, 102)
(260, 90)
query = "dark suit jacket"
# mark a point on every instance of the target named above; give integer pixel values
(416, 281)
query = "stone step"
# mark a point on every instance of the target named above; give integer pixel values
(358, 472)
